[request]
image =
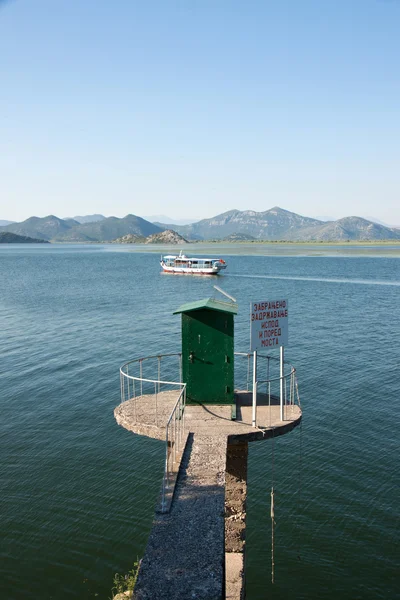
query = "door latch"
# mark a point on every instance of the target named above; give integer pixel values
(191, 357)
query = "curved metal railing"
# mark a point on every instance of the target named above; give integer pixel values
(135, 386)
(269, 378)
(136, 383)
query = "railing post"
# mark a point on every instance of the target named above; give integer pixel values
(166, 458)
(180, 417)
(292, 387)
(285, 392)
(127, 378)
(184, 407)
(156, 395)
(269, 401)
(282, 374)
(134, 396)
(175, 436)
(297, 391)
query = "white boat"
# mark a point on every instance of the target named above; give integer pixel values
(192, 265)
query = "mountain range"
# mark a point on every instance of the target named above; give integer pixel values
(54, 229)
(275, 224)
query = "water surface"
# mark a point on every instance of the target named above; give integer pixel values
(78, 492)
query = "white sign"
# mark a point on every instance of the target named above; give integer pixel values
(269, 326)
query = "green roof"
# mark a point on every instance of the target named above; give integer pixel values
(209, 304)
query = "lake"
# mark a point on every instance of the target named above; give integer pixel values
(78, 491)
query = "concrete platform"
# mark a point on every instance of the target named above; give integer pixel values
(147, 415)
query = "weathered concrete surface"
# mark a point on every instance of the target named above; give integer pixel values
(234, 571)
(235, 518)
(185, 554)
(147, 415)
(235, 496)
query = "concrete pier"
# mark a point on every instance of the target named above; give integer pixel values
(196, 550)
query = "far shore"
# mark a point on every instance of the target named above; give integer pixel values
(245, 243)
(220, 248)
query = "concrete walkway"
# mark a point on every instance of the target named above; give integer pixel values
(185, 554)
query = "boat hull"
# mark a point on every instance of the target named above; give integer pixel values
(189, 271)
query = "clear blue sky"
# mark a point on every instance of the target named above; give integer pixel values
(190, 108)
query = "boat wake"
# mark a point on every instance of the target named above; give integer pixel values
(322, 279)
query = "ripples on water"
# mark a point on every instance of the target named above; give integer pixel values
(78, 492)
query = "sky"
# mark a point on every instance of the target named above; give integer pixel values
(191, 108)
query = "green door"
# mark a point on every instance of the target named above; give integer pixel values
(207, 355)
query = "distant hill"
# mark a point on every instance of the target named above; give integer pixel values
(3, 223)
(166, 237)
(375, 220)
(89, 218)
(45, 228)
(69, 230)
(156, 219)
(239, 237)
(109, 229)
(350, 228)
(324, 218)
(6, 237)
(272, 224)
(277, 224)
(130, 238)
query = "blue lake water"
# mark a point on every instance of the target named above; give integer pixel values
(78, 492)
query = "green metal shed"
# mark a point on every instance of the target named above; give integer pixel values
(208, 351)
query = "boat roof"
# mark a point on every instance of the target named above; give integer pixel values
(210, 304)
(184, 257)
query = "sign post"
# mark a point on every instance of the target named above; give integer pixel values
(254, 414)
(269, 328)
